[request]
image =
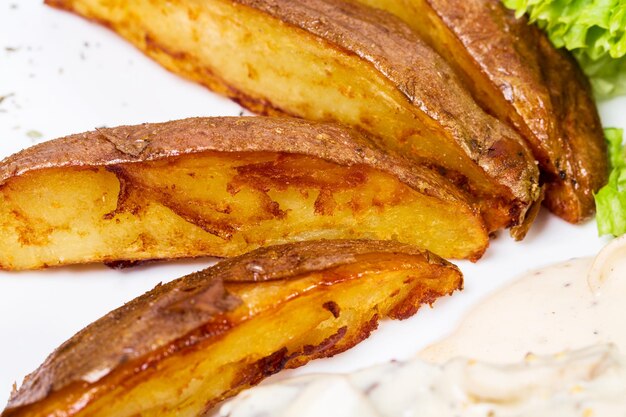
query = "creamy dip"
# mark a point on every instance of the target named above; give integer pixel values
(585, 383)
(567, 306)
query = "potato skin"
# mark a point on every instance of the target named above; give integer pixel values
(154, 141)
(515, 73)
(492, 159)
(165, 318)
(583, 168)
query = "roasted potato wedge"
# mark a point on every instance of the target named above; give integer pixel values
(517, 75)
(184, 346)
(331, 60)
(219, 187)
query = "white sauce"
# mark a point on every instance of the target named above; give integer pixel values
(567, 306)
(586, 383)
(563, 308)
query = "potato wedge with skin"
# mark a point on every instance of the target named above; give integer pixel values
(219, 187)
(184, 346)
(515, 73)
(330, 60)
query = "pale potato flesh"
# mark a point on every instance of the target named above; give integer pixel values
(218, 204)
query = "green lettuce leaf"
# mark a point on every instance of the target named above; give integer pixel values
(611, 199)
(595, 32)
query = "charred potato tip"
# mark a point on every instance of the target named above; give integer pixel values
(183, 347)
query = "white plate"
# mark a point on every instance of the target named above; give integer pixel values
(67, 75)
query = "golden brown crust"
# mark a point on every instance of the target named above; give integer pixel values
(424, 78)
(282, 261)
(158, 317)
(546, 88)
(152, 141)
(169, 312)
(515, 73)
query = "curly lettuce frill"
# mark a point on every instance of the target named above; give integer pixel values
(595, 32)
